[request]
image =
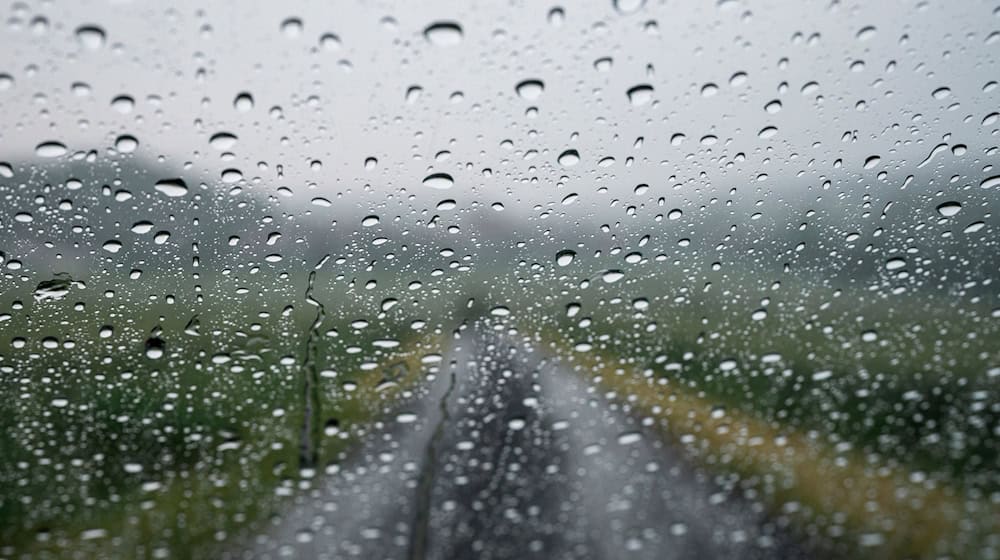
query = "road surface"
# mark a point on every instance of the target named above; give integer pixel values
(512, 456)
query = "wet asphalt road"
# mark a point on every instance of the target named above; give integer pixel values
(512, 457)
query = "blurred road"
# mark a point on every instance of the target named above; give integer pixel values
(512, 457)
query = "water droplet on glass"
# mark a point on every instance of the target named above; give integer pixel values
(941, 93)
(612, 276)
(556, 16)
(243, 102)
(866, 33)
(443, 33)
(222, 141)
(172, 187)
(440, 181)
(530, 89)
(569, 158)
(155, 347)
(90, 36)
(565, 257)
(291, 27)
(123, 104)
(628, 6)
(948, 209)
(640, 94)
(126, 144)
(50, 149)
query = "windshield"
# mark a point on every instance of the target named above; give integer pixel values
(629, 279)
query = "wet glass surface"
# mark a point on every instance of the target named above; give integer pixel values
(630, 279)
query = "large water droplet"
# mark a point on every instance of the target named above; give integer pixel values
(222, 141)
(243, 102)
(291, 27)
(443, 33)
(612, 276)
(569, 158)
(440, 181)
(90, 36)
(640, 94)
(565, 257)
(948, 209)
(530, 89)
(628, 6)
(50, 149)
(126, 144)
(172, 187)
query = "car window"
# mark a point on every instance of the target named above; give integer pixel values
(615, 279)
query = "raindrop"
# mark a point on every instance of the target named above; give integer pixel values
(895, 263)
(767, 132)
(603, 64)
(155, 347)
(556, 16)
(230, 176)
(90, 36)
(440, 181)
(123, 104)
(142, 227)
(990, 182)
(291, 27)
(222, 141)
(530, 89)
(126, 144)
(329, 41)
(569, 158)
(443, 33)
(866, 33)
(243, 102)
(640, 94)
(628, 6)
(172, 187)
(628, 438)
(948, 209)
(50, 149)
(565, 257)
(612, 276)
(53, 290)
